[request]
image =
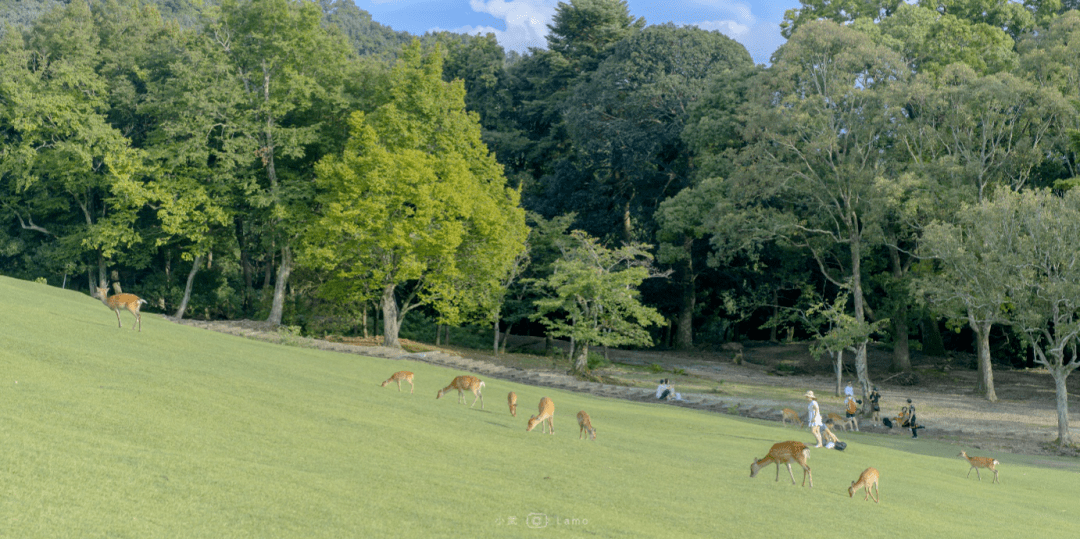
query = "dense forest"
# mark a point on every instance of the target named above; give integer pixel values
(900, 173)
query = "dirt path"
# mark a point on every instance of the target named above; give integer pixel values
(1023, 420)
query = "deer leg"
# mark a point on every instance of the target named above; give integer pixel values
(411, 387)
(977, 474)
(118, 322)
(792, 474)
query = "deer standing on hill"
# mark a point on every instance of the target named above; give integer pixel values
(585, 422)
(981, 462)
(131, 302)
(546, 416)
(462, 384)
(398, 377)
(511, 399)
(868, 478)
(786, 453)
(791, 415)
(842, 422)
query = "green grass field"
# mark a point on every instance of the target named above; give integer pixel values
(181, 432)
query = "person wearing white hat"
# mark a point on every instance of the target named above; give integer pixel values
(816, 423)
(814, 417)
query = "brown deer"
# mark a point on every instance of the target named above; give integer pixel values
(981, 462)
(786, 452)
(462, 384)
(131, 302)
(791, 415)
(868, 478)
(842, 422)
(585, 422)
(511, 399)
(398, 377)
(546, 416)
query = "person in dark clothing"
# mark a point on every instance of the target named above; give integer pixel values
(875, 405)
(909, 420)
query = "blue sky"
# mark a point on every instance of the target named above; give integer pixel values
(519, 24)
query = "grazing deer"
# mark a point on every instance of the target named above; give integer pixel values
(511, 399)
(546, 416)
(131, 302)
(786, 452)
(791, 415)
(463, 384)
(868, 478)
(981, 462)
(585, 422)
(398, 377)
(843, 422)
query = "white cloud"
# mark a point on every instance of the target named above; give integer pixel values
(526, 22)
(731, 29)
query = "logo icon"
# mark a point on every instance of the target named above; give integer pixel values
(536, 520)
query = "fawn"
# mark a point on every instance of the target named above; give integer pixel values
(131, 302)
(843, 422)
(511, 399)
(791, 415)
(786, 452)
(981, 462)
(546, 416)
(585, 422)
(463, 384)
(398, 377)
(868, 478)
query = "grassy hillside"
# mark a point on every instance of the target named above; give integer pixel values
(180, 432)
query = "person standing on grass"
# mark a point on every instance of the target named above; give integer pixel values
(814, 417)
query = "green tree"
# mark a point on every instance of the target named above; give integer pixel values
(594, 289)
(416, 202)
(819, 127)
(292, 71)
(61, 163)
(838, 11)
(1020, 247)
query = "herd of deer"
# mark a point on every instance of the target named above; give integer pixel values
(464, 383)
(780, 453)
(798, 452)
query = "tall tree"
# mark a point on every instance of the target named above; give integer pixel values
(416, 203)
(291, 69)
(819, 126)
(593, 290)
(61, 163)
(1020, 248)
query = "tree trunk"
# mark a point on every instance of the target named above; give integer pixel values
(391, 324)
(495, 346)
(775, 314)
(986, 370)
(932, 343)
(581, 362)
(901, 351)
(505, 337)
(684, 338)
(103, 279)
(901, 357)
(860, 315)
(278, 305)
(1060, 373)
(839, 371)
(187, 288)
(245, 265)
(363, 316)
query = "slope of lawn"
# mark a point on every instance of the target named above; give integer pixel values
(181, 432)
